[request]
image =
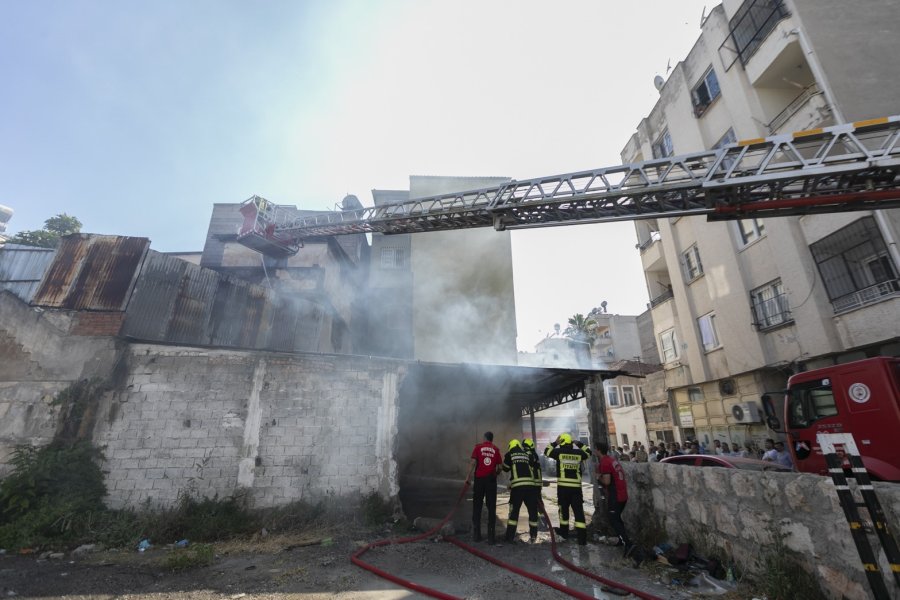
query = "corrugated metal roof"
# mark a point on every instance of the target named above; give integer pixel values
(92, 272)
(176, 301)
(22, 268)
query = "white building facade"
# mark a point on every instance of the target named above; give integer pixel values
(739, 306)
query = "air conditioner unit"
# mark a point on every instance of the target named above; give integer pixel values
(746, 412)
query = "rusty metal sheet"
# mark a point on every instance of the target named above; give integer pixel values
(192, 310)
(22, 268)
(153, 300)
(92, 272)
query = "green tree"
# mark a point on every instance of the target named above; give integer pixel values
(48, 237)
(582, 331)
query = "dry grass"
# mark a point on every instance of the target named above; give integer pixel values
(274, 542)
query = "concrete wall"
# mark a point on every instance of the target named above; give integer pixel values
(736, 512)
(284, 427)
(35, 365)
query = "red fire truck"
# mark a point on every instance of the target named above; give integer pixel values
(861, 398)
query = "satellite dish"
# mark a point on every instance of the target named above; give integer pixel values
(659, 82)
(603, 305)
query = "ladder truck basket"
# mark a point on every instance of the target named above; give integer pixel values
(259, 230)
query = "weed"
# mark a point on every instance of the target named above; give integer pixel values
(198, 555)
(376, 510)
(783, 577)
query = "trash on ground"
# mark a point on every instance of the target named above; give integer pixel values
(144, 545)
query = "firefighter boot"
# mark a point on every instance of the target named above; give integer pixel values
(476, 532)
(532, 533)
(510, 533)
(491, 536)
(562, 533)
(582, 536)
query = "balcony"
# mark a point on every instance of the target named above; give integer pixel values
(666, 295)
(750, 26)
(870, 295)
(808, 110)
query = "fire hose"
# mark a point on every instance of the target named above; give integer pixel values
(356, 560)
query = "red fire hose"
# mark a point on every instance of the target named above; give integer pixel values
(356, 560)
(585, 572)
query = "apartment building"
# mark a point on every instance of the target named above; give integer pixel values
(739, 306)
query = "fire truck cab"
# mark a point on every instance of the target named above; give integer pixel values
(861, 398)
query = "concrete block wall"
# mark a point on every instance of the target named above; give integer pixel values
(282, 427)
(38, 359)
(737, 512)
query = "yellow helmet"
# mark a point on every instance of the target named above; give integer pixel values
(565, 438)
(529, 443)
(514, 443)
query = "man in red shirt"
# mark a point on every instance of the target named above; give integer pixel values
(487, 461)
(611, 476)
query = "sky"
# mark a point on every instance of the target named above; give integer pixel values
(136, 117)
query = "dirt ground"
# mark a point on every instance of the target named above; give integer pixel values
(285, 567)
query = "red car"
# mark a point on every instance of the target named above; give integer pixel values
(729, 462)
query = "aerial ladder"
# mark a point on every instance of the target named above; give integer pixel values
(846, 167)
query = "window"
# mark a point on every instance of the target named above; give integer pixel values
(708, 335)
(705, 92)
(855, 265)
(392, 258)
(726, 140)
(809, 402)
(770, 305)
(612, 395)
(663, 146)
(693, 268)
(668, 346)
(750, 230)
(752, 22)
(695, 394)
(625, 440)
(628, 395)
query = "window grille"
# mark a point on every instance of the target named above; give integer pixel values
(770, 306)
(855, 265)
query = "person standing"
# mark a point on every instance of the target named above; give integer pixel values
(538, 482)
(611, 477)
(569, 457)
(486, 462)
(520, 465)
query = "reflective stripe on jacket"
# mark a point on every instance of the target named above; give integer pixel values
(520, 465)
(568, 459)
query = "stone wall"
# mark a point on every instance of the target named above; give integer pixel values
(737, 512)
(283, 427)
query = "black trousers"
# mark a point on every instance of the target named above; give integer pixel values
(485, 492)
(614, 510)
(518, 496)
(570, 497)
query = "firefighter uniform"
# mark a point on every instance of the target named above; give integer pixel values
(569, 457)
(520, 464)
(538, 481)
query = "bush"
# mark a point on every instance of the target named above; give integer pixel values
(52, 495)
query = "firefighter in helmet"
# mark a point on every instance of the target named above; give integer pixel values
(538, 482)
(569, 457)
(520, 464)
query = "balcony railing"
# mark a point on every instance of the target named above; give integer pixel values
(660, 299)
(869, 295)
(753, 21)
(654, 237)
(795, 105)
